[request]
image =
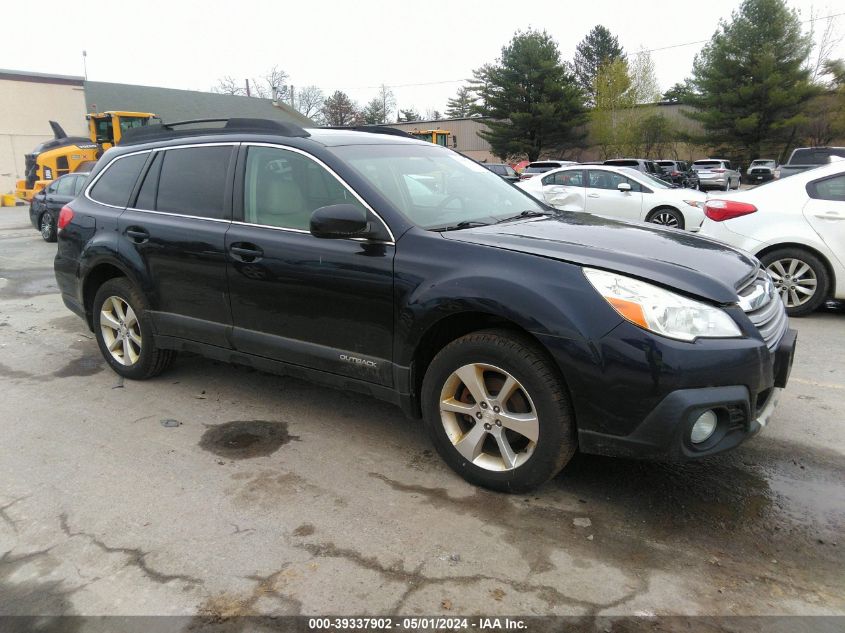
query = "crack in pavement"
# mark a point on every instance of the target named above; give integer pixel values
(137, 557)
(5, 515)
(415, 580)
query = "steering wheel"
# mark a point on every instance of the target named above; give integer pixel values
(441, 208)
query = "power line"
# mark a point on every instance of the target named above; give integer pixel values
(650, 50)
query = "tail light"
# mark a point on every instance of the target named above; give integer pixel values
(721, 210)
(65, 216)
(676, 173)
(718, 171)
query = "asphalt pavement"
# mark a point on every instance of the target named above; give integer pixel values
(217, 490)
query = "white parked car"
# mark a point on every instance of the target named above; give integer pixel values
(796, 227)
(618, 192)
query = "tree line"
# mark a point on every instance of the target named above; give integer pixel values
(759, 87)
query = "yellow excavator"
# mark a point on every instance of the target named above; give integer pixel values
(438, 136)
(64, 154)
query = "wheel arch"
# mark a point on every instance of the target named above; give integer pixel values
(453, 326)
(96, 276)
(803, 247)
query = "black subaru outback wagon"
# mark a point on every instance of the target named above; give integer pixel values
(395, 267)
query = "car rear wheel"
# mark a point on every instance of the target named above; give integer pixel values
(47, 227)
(667, 216)
(497, 411)
(800, 277)
(124, 331)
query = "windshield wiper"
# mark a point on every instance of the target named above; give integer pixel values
(524, 214)
(461, 225)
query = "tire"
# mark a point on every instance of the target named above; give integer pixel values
(728, 184)
(47, 226)
(136, 355)
(497, 356)
(779, 264)
(668, 217)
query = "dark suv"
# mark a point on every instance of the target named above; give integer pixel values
(395, 267)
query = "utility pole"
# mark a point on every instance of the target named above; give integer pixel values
(292, 98)
(247, 88)
(85, 64)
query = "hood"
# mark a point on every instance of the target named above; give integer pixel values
(675, 259)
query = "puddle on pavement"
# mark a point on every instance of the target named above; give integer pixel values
(243, 439)
(776, 509)
(29, 283)
(14, 374)
(84, 366)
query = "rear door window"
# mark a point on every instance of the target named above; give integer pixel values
(574, 178)
(64, 186)
(115, 184)
(193, 181)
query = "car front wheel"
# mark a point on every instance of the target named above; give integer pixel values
(801, 279)
(124, 331)
(497, 411)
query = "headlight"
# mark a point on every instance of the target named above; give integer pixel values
(694, 203)
(660, 311)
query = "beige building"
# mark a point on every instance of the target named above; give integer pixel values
(464, 135)
(28, 101)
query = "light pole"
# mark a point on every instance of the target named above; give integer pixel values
(85, 64)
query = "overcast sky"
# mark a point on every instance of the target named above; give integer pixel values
(351, 45)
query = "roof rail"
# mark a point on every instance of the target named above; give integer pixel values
(164, 131)
(373, 129)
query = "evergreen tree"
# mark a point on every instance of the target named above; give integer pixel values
(532, 99)
(750, 81)
(340, 110)
(408, 115)
(598, 48)
(460, 106)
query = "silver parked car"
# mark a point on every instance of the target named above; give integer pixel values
(716, 173)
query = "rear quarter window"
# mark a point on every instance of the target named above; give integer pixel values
(115, 184)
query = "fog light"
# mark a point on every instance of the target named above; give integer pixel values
(703, 427)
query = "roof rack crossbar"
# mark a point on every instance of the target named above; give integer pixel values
(372, 129)
(233, 125)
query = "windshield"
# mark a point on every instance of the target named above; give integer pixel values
(706, 164)
(652, 181)
(762, 163)
(815, 156)
(435, 187)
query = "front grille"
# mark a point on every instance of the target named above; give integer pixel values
(761, 171)
(760, 301)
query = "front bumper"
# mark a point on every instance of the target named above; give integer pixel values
(651, 391)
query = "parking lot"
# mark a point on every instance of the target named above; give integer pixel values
(218, 490)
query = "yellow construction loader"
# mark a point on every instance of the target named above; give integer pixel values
(64, 154)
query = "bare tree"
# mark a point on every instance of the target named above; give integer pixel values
(309, 101)
(228, 86)
(387, 101)
(825, 42)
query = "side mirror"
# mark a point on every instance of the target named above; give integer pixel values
(624, 187)
(338, 221)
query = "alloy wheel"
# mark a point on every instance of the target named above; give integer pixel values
(489, 417)
(121, 330)
(46, 225)
(666, 219)
(795, 280)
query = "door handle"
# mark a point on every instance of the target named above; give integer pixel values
(246, 252)
(593, 195)
(50, 200)
(830, 215)
(137, 234)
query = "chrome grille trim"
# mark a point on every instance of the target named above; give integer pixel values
(760, 301)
